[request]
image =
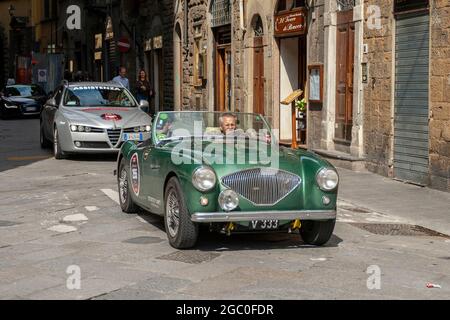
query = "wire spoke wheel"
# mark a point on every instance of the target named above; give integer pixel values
(123, 185)
(173, 213)
(55, 143)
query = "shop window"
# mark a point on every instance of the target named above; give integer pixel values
(405, 6)
(284, 5)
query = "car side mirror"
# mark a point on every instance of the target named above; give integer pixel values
(52, 103)
(144, 106)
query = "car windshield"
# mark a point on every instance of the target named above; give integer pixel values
(91, 96)
(24, 91)
(175, 126)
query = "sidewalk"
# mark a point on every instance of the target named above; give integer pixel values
(419, 206)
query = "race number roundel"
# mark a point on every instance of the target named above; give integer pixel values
(134, 169)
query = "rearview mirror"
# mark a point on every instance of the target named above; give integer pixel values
(144, 106)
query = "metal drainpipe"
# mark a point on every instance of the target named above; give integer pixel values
(186, 24)
(241, 14)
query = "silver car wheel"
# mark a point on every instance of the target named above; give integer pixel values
(173, 213)
(55, 142)
(123, 185)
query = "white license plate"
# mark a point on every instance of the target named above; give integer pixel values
(264, 225)
(133, 137)
(31, 109)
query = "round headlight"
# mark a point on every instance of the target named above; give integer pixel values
(228, 200)
(142, 129)
(87, 129)
(148, 128)
(136, 129)
(80, 128)
(204, 179)
(74, 128)
(327, 179)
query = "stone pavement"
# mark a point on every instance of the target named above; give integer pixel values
(55, 215)
(412, 204)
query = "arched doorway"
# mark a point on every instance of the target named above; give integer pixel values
(345, 60)
(177, 67)
(258, 65)
(154, 63)
(221, 13)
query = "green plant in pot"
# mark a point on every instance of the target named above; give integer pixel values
(301, 105)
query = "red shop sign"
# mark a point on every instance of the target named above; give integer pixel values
(292, 23)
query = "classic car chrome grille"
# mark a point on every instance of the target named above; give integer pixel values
(114, 136)
(262, 186)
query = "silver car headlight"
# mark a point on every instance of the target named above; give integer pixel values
(10, 105)
(327, 179)
(204, 179)
(228, 200)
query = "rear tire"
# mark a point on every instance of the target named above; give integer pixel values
(126, 201)
(317, 233)
(181, 231)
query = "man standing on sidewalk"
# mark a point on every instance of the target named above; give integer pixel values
(122, 78)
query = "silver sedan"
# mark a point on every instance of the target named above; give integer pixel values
(92, 118)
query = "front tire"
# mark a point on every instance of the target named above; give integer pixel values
(45, 144)
(3, 114)
(57, 152)
(317, 233)
(126, 201)
(181, 231)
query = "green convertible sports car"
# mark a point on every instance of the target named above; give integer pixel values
(226, 170)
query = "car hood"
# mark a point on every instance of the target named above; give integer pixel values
(130, 117)
(245, 157)
(24, 100)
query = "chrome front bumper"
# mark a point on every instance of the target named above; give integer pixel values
(239, 216)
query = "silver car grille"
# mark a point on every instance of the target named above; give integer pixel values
(130, 130)
(97, 130)
(262, 186)
(114, 136)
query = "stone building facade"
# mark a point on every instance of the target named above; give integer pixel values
(15, 37)
(407, 109)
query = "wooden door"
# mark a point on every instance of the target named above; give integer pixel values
(258, 76)
(157, 70)
(345, 44)
(223, 78)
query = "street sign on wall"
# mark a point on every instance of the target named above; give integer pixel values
(292, 23)
(123, 45)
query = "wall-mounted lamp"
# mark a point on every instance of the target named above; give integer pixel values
(11, 10)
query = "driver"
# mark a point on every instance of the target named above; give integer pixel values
(228, 123)
(164, 126)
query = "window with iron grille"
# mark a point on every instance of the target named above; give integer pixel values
(344, 5)
(221, 13)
